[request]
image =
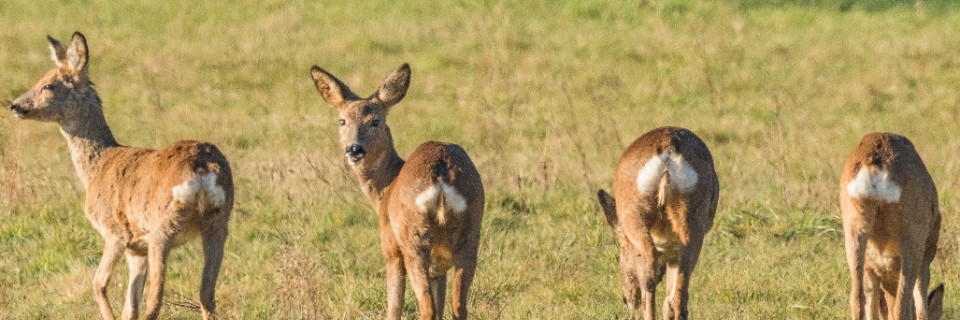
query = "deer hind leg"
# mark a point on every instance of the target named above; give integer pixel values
(670, 287)
(689, 255)
(157, 253)
(856, 250)
(911, 261)
(396, 284)
(138, 277)
(415, 246)
(856, 219)
(463, 271)
(417, 263)
(112, 249)
(213, 242)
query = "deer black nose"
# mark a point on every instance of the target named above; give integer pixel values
(16, 108)
(355, 153)
(355, 150)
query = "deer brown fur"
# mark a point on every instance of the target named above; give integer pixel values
(891, 223)
(666, 197)
(143, 202)
(430, 206)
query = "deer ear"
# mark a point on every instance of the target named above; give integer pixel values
(394, 88)
(609, 205)
(331, 89)
(935, 303)
(59, 53)
(77, 53)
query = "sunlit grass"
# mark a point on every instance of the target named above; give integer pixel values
(544, 96)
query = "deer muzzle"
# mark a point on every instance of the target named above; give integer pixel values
(355, 153)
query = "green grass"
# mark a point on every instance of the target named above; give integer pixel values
(543, 95)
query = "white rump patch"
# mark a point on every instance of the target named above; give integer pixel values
(874, 184)
(429, 199)
(682, 175)
(206, 183)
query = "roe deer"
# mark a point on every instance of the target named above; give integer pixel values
(667, 192)
(143, 202)
(429, 207)
(891, 223)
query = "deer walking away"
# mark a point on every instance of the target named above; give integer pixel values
(666, 197)
(143, 202)
(891, 225)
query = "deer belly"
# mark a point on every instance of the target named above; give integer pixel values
(883, 258)
(441, 259)
(666, 243)
(186, 234)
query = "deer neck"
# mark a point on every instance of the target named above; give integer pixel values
(375, 176)
(88, 137)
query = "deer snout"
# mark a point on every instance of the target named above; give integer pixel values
(355, 153)
(17, 109)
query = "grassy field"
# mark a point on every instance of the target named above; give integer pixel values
(544, 96)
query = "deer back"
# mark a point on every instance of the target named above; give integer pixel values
(666, 168)
(438, 183)
(145, 190)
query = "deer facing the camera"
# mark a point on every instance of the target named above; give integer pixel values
(430, 206)
(667, 192)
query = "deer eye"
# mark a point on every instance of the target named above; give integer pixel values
(49, 87)
(375, 123)
(343, 122)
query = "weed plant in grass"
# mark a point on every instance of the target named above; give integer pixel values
(544, 96)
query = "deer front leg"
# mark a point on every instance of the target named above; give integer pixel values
(214, 240)
(920, 293)
(138, 277)
(113, 246)
(873, 294)
(438, 293)
(670, 289)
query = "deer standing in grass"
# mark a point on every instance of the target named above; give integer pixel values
(667, 192)
(143, 202)
(891, 223)
(429, 207)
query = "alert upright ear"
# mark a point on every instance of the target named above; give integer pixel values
(394, 88)
(59, 53)
(77, 54)
(609, 205)
(331, 89)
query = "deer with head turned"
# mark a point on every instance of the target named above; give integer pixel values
(666, 197)
(143, 202)
(430, 206)
(891, 225)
